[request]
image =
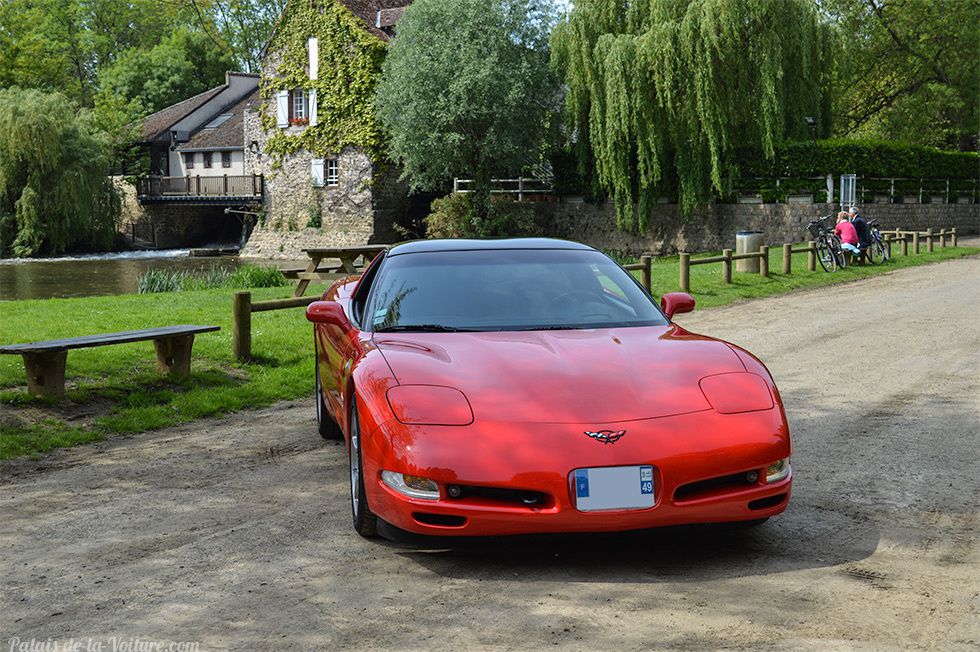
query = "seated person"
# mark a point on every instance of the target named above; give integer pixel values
(861, 226)
(847, 234)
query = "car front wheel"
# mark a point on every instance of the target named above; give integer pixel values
(365, 522)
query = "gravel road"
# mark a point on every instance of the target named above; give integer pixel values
(235, 533)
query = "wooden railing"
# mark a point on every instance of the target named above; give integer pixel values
(251, 185)
(808, 248)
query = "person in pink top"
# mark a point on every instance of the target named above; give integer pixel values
(847, 234)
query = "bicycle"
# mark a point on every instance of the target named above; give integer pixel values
(829, 251)
(880, 249)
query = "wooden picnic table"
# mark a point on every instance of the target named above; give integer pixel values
(347, 255)
(44, 362)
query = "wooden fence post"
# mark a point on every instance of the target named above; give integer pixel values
(646, 260)
(811, 256)
(242, 326)
(905, 244)
(685, 272)
(929, 242)
(942, 238)
(952, 238)
(726, 272)
(787, 258)
(915, 242)
(764, 261)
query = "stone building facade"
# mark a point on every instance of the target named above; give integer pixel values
(330, 199)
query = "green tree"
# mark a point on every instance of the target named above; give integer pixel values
(55, 194)
(63, 44)
(245, 26)
(182, 65)
(912, 70)
(660, 93)
(465, 90)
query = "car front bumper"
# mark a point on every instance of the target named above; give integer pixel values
(700, 464)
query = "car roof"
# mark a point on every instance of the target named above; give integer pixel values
(501, 244)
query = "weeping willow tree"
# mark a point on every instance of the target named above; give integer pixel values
(660, 93)
(54, 192)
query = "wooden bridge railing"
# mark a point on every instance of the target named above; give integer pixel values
(249, 185)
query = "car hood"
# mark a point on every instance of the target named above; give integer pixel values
(575, 376)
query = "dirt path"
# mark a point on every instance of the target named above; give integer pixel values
(235, 532)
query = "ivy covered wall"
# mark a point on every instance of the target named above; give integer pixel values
(350, 60)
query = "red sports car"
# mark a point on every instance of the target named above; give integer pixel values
(532, 385)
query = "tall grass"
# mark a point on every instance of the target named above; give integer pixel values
(246, 276)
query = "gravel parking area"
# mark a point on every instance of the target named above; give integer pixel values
(235, 533)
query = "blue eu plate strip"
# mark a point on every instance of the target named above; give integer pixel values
(646, 479)
(582, 483)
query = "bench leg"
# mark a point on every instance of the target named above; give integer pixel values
(174, 355)
(46, 373)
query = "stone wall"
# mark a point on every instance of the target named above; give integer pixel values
(713, 228)
(173, 226)
(360, 209)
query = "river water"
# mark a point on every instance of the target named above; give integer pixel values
(99, 274)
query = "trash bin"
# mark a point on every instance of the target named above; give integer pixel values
(747, 242)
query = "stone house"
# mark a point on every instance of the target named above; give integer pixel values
(311, 130)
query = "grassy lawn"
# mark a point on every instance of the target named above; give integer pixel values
(116, 389)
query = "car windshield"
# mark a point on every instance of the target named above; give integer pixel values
(504, 290)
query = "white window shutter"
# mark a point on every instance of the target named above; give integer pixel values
(313, 48)
(311, 99)
(316, 172)
(282, 109)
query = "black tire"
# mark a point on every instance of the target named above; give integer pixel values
(826, 256)
(365, 522)
(839, 253)
(876, 252)
(325, 424)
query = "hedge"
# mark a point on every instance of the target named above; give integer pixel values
(797, 163)
(864, 158)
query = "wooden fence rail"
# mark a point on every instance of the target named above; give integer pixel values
(242, 309)
(810, 249)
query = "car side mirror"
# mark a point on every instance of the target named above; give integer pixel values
(675, 303)
(328, 312)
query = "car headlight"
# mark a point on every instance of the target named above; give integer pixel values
(413, 486)
(777, 470)
(732, 393)
(429, 405)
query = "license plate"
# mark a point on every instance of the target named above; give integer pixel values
(613, 487)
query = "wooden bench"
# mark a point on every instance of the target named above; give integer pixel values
(347, 256)
(44, 362)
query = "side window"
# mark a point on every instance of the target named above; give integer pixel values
(189, 160)
(208, 159)
(363, 289)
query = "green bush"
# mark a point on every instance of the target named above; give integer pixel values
(452, 217)
(865, 158)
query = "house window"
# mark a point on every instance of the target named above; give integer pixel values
(333, 172)
(226, 159)
(208, 159)
(189, 160)
(298, 107)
